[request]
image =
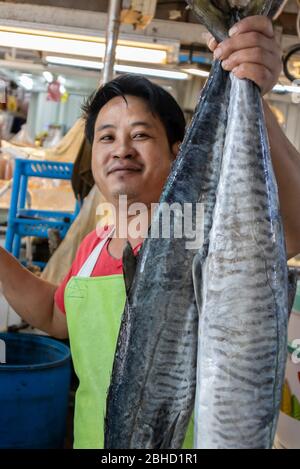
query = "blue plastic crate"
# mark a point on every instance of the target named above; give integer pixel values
(27, 222)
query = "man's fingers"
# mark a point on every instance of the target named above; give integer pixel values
(211, 42)
(260, 24)
(255, 55)
(259, 74)
(244, 41)
(251, 52)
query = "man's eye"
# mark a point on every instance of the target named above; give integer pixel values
(105, 138)
(140, 135)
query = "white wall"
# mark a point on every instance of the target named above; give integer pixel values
(42, 113)
(8, 316)
(291, 113)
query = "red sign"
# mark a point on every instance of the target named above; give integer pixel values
(54, 93)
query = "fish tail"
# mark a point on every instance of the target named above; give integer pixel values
(219, 16)
(216, 19)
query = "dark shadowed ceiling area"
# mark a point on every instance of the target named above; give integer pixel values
(165, 9)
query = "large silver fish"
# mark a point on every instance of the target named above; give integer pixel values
(243, 285)
(152, 391)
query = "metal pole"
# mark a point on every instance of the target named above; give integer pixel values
(112, 33)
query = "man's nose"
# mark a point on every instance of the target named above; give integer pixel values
(124, 151)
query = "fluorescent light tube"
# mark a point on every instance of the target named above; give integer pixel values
(86, 47)
(74, 62)
(26, 82)
(48, 76)
(196, 71)
(154, 72)
(286, 88)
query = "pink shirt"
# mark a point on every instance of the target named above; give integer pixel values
(105, 265)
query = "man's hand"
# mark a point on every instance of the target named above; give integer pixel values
(31, 297)
(251, 52)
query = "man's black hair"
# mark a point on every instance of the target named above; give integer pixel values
(159, 101)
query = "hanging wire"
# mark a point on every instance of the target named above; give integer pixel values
(298, 19)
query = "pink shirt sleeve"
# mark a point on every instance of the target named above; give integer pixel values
(84, 250)
(60, 292)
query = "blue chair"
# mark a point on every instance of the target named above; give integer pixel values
(28, 222)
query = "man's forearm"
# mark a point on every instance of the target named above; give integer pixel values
(286, 163)
(31, 297)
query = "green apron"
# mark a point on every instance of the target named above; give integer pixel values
(94, 306)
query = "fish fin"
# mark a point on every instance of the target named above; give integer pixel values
(129, 266)
(292, 287)
(197, 280)
(212, 16)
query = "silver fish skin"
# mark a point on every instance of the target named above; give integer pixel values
(222, 387)
(243, 343)
(152, 391)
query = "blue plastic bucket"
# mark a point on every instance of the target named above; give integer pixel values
(34, 391)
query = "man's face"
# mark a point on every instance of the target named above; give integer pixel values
(131, 154)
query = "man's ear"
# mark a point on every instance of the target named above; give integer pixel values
(175, 149)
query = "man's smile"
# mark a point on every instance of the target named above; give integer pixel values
(124, 168)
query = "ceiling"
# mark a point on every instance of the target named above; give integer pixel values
(170, 21)
(165, 10)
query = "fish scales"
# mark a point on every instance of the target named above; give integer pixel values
(245, 239)
(147, 405)
(251, 389)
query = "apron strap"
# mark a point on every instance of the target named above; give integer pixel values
(88, 267)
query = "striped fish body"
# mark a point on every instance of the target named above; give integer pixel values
(152, 391)
(242, 351)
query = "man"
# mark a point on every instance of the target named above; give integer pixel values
(135, 129)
